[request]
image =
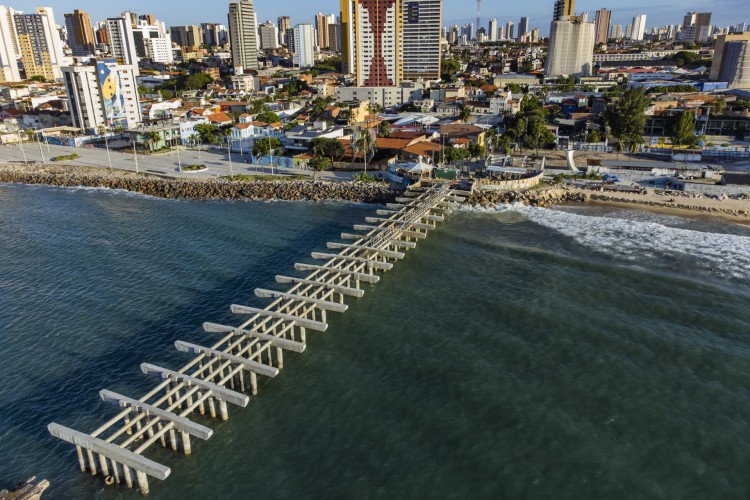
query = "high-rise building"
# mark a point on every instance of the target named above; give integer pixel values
(493, 30)
(453, 35)
(735, 64)
(214, 34)
(603, 18)
(638, 28)
(322, 22)
(304, 46)
(421, 23)
(9, 50)
(501, 33)
(334, 37)
(571, 48)
(122, 40)
(152, 41)
(616, 32)
(509, 30)
(699, 25)
(283, 23)
(563, 8)
(39, 43)
(523, 28)
(187, 36)
(373, 41)
(80, 35)
(720, 60)
(103, 94)
(269, 35)
(243, 35)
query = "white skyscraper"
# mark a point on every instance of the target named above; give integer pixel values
(269, 35)
(493, 30)
(422, 20)
(243, 35)
(571, 48)
(122, 40)
(9, 52)
(304, 45)
(638, 29)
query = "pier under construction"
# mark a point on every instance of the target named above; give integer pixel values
(226, 370)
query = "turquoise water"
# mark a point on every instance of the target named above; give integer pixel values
(574, 353)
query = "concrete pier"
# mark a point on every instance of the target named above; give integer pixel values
(217, 371)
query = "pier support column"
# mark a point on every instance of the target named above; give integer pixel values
(223, 410)
(128, 477)
(186, 443)
(142, 482)
(212, 407)
(253, 383)
(81, 461)
(279, 358)
(173, 439)
(92, 462)
(103, 463)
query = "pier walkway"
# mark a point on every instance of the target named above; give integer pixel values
(227, 371)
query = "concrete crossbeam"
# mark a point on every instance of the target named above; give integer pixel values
(383, 253)
(385, 266)
(320, 304)
(301, 322)
(286, 344)
(182, 424)
(111, 451)
(367, 278)
(251, 366)
(219, 392)
(344, 290)
(416, 225)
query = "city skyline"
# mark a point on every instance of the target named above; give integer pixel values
(175, 13)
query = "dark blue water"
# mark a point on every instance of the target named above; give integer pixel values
(525, 353)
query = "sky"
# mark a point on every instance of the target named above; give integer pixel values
(185, 12)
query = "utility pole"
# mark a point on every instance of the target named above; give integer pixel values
(135, 157)
(231, 169)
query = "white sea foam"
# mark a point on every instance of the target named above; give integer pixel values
(633, 240)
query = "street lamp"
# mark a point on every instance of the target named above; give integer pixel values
(103, 131)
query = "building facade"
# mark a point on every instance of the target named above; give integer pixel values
(563, 8)
(187, 36)
(602, 20)
(283, 23)
(304, 46)
(9, 51)
(122, 40)
(373, 41)
(103, 94)
(571, 48)
(720, 53)
(80, 35)
(243, 36)
(269, 36)
(39, 44)
(422, 20)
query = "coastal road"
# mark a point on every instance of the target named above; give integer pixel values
(164, 164)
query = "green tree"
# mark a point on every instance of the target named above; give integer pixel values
(465, 115)
(476, 150)
(264, 146)
(626, 118)
(38, 78)
(331, 148)
(515, 88)
(566, 84)
(594, 137)
(449, 69)
(267, 117)
(319, 164)
(384, 129)
(455, 154)
(682, 129)
(208, 133)
(683, 57)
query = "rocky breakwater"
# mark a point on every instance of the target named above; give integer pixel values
(534, 197)
(205, 189)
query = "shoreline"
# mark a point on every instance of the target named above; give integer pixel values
(736, 210)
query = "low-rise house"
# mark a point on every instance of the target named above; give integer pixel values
(298, 139)
(244, 135)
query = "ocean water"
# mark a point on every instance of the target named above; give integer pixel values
(575, 352)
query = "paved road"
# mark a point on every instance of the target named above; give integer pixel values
(166, 164)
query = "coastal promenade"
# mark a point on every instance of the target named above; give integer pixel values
(227, 371)
(162, 164)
